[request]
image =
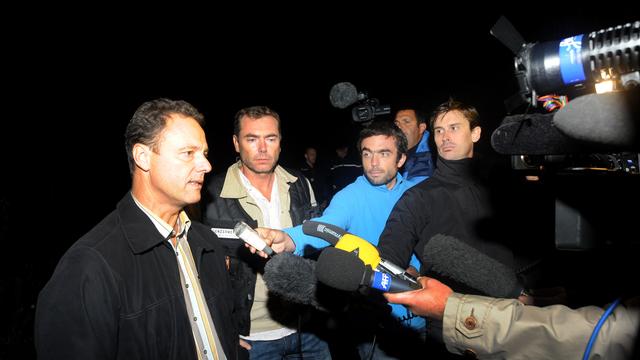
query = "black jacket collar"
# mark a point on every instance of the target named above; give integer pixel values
(142, 235)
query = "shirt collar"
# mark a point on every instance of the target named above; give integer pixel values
(166, 230)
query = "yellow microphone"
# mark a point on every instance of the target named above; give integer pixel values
(363, 249)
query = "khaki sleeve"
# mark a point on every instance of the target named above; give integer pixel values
(506, 329)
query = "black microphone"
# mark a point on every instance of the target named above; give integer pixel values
(343, 95)
(609, 119)
(345, 271)
(449, 257)
(367, 252)
(325, 231)
(532, 134)
(293, 278)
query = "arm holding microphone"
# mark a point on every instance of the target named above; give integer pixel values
(506, 328)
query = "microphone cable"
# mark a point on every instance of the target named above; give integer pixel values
(594, 335)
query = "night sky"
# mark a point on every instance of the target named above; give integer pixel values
(74, 83)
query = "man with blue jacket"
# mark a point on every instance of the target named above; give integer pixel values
(362, 208)
(419, 165)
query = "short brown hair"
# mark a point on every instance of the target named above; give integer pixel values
(469, 112)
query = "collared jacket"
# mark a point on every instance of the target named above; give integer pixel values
(227, 202)
(116, 294)
(506, 329)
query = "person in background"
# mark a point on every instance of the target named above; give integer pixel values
(316, 175)
(344, 169)
(413, 123)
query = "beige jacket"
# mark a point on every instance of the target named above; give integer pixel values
(506, 329)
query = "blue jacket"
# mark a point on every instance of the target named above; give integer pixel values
(361, 209)
(419, 165)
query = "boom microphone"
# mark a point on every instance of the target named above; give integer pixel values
(455, 260)
(293, 278)
(343, 95)
(345, 271)
(531, 134)
(609, 119)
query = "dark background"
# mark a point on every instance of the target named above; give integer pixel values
(73, 82)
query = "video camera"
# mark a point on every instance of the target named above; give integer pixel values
(600, 71)
(365, 109)
(586, 148)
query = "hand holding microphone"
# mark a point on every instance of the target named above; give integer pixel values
(253, 239)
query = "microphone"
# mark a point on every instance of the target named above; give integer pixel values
(609, 119)
(345, 271)
(293, 278)
(531, 134)
(343, 95)
(449, 257)
(251, 237)
(325, 231)
(365, 251)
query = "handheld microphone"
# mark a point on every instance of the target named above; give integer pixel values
(251, 237)
(293, 278)
(449, 257)
(367, 252)
(345, 271)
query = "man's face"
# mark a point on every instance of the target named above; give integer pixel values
(179, 163)
(453, 136)
(311, 155)
(407, 121)
(380, 160)
(258, 144)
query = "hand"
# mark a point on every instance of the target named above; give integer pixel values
(429, 301)
(412, 271)
(278, 240)
(245, 344)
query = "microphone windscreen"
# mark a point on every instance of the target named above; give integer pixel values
(610, 119)
(327, 232)
(343, 95)
(340, 269)
(292, 277)
(460, 262)
(531, 134)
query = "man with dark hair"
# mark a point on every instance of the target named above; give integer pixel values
(452, 202)
(362, 208)
(413, 123)
(145, 283)
(258, 191)
(316, 174)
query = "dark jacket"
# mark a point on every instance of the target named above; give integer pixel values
(454, 202)
(419, 164)
(224, 212)
(116, 294)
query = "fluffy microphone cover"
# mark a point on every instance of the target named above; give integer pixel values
(609, 119)
(460, 262)
(291, 277)
(343, 95)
